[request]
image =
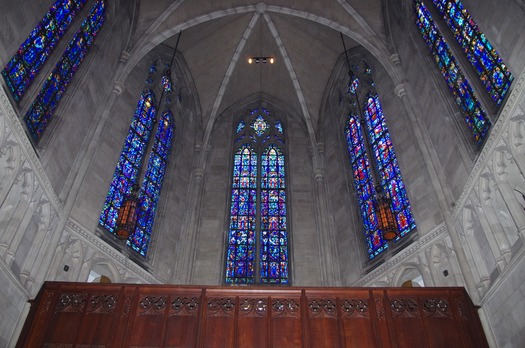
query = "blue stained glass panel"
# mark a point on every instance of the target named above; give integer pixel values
(130, 160)
(474, 115)
(42, 109)
(240, 264)
(260, 125)
(279, 127)
(23, 67)
(364, 185)
(240, 126)
(152, 184)
(487, 63)
(274, 237)
(387, 167)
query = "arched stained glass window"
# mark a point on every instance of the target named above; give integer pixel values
(364, 186)
(490, 68)
(132, 166)
(152, 184)
(386, 161)
(130, 161)
(42, 109)
(240, 264)
(377, 178)
(475, 117)
(274, 237)
(257, 249)
(21, 70)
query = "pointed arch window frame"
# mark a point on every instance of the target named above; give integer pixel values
(258, 234)
(131, 162)
(485, 60)
(21, 70)
(369, 118)
(43, 107)
(474, 115)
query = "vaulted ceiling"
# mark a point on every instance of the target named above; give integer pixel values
(219, 36)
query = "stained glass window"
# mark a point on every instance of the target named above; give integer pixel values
(374, 164)
(490, 68)
(240, 264)
(386, 162)
(274, 238)
(152, 184)
(364, 185)
(21, 70)
(130, 161)
(474, 115)
(42, 109)
(258, 236)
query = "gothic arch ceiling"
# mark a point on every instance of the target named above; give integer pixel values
(219, 36)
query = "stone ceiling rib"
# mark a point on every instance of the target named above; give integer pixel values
(293, 77)
(227, 76)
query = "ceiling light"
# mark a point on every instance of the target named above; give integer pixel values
(258, 60)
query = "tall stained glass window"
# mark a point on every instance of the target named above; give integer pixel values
(475, 117)
(490, 68)
(132, 167)
(42, 109)
(364, 186)
(152, 183)
(130, 160)
(386, 164)
(257, 249)
(21, 70)
(374, 165)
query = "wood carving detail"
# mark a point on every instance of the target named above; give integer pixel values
(253, 307)
(461, 309)
(325, 308)
(380, 309)
(102, 303)
(404, 308)
(355, 308)
(285, 308)
(436, 307)
(71, 302)
(184, 306)
(152, 305)
(221, 307)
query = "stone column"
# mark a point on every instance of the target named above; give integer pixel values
(328, 262)
(404, 92)
(190, 231)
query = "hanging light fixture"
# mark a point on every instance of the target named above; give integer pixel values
(127, 214)
(128, 211)
(383, 203)
(387, 221)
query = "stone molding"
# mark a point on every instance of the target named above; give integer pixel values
(14, 123)
(417, 247)
(95, 242)
(498, 131)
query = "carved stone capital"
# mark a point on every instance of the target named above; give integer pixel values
(400, 90)
(319, 175)
(394, 58)
(124, 56)
(118, 88)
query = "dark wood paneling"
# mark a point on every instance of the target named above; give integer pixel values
(123, 315)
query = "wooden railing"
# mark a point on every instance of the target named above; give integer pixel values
(123, 315)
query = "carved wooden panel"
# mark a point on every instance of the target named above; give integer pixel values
(123, 315)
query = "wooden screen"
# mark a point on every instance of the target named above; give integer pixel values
(124, 315)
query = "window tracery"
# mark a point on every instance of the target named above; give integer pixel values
(257, 250)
